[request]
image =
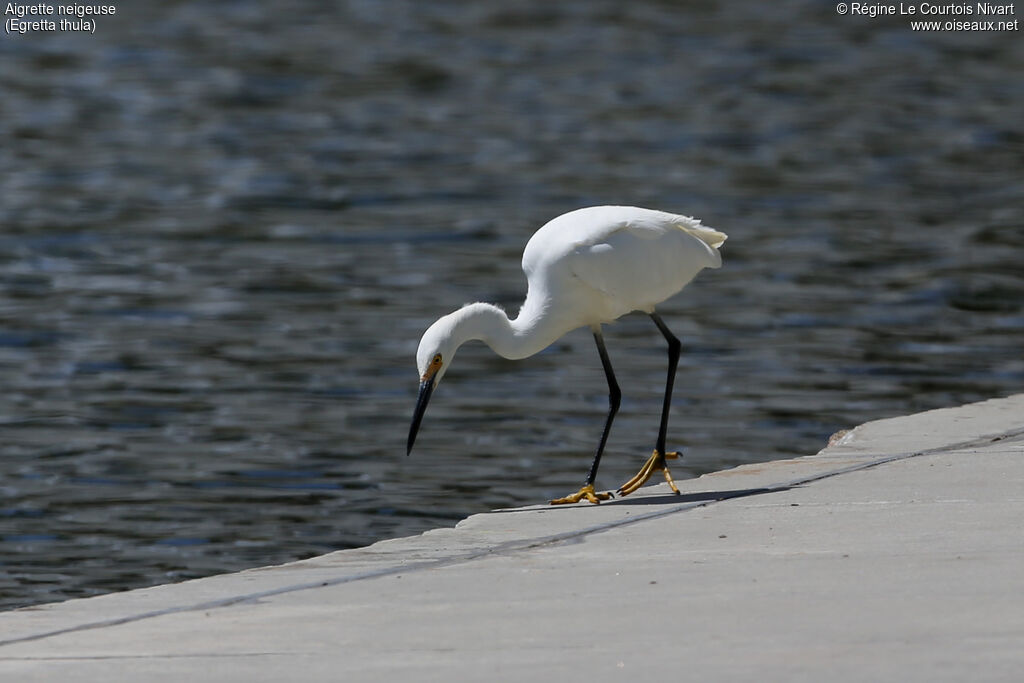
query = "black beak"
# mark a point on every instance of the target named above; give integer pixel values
(426, 389)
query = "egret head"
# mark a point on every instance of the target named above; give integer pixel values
(437, 347)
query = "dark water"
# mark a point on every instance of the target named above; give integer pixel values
(224, 225)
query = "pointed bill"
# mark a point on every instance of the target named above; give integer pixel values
(426, 388)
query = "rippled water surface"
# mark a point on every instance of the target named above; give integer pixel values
(224, 226)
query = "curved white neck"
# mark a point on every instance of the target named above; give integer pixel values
(528, 334)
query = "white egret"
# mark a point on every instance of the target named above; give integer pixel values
(584, 268)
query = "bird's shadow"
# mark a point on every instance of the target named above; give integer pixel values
(663, 499)
(697, 497)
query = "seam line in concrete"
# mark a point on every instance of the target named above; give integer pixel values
(514, 546)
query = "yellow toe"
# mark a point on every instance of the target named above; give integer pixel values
(655, 463)
(585, 492)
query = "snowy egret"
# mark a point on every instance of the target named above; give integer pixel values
(584, 268)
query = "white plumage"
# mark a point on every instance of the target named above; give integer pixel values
(583, 268)
(600, 263)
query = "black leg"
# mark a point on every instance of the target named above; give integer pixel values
(674, 347)
(656, 463)
(614, 398)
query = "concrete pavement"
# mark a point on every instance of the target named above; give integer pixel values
(895, 554)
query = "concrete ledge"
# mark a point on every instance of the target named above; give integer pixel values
(895, 552)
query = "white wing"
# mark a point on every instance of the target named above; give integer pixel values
(641, 259)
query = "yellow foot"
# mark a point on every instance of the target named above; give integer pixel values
(656, 463)
(585, 492)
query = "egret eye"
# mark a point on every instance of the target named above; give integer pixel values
(437, 360)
